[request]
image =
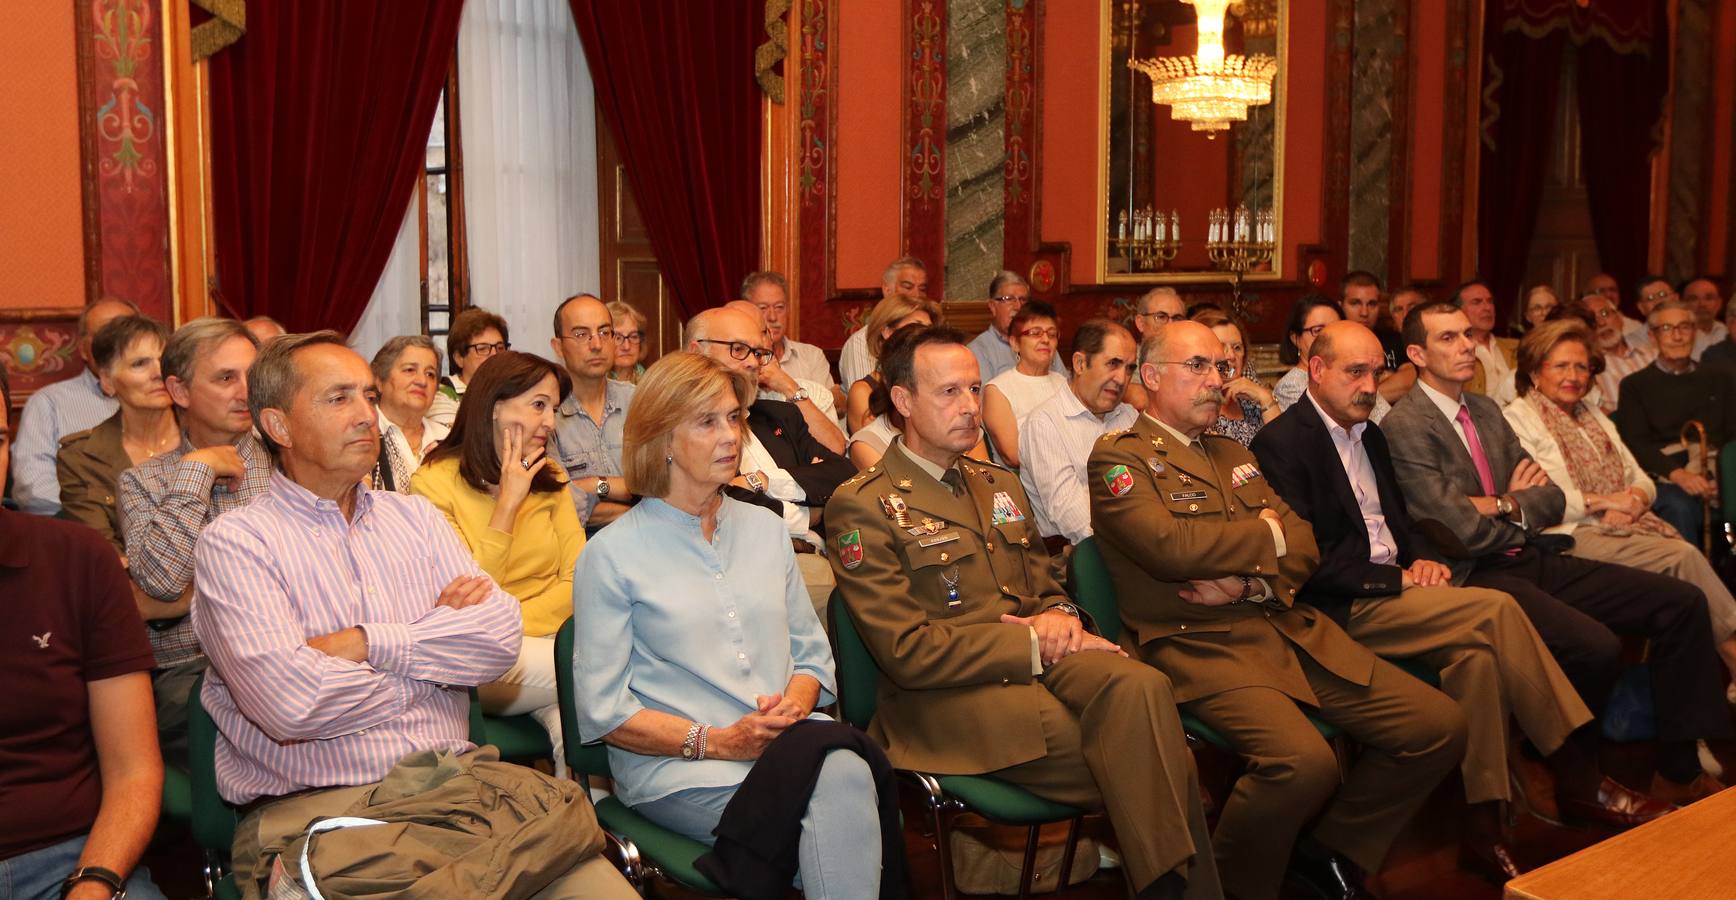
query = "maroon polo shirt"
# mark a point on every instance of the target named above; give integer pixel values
(66, 618)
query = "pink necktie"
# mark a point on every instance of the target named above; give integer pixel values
(1478, 457)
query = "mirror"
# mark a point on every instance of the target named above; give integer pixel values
(1158, 173)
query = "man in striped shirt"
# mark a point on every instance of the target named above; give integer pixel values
(343, 626)
(1057, 437)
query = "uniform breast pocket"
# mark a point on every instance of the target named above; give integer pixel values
(1254, 495)
(941, 569)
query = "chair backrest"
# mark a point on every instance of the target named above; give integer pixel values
(585, 759)
(858, 676)
(1094, 590)
(213, 819)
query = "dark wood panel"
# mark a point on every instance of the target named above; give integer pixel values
(629, 266)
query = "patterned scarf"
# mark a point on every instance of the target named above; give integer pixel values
(1593, 462)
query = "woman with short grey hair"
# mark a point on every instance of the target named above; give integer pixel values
(407, 372)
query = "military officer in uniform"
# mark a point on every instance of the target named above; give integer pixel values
(986, 666)
(1206, 561)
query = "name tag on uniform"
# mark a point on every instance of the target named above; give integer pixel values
(938, 539)
(1185, 496)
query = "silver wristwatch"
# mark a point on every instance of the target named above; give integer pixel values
(602, 488)
(800, 395)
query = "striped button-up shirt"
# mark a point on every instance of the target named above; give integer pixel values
(291, 567)
(1617, 366)
(63, 408)
(1054, 443)
(163, 504)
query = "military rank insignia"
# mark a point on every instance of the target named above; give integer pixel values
(896, 510)
(850, 549)
(1119, 479)
(1243, 474)
(1006, 510)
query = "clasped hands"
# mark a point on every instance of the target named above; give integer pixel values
(352, 643)
(1060, 635)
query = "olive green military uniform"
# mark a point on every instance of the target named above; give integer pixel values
(1165, 513)
(926, 575)
(89, 464)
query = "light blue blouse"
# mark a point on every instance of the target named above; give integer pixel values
(671, 622)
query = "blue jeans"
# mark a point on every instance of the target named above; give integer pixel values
(840, 850)
(1681, 509)
(37, 875)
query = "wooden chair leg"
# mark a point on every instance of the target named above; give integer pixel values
(1028, 869)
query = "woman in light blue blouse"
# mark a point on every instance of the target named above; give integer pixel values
(697, 644)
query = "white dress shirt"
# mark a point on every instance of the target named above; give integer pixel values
(1498, 376)
(854, 363)
(1704, 339)
(1353, 456)
(780, 486)
(807, 361)
(1055, 442)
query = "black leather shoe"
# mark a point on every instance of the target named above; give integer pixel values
(1329, 876)
(1490, 858)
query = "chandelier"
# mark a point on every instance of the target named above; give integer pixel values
(1209, 89)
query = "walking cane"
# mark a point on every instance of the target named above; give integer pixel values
(1709, 465)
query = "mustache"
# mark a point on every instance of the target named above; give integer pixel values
(1363, 399)
(1209, 396)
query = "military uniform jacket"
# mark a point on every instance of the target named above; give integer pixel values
(89, 464)
(1165, 514)
(926, 577)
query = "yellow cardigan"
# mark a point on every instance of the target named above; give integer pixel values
(535, 562)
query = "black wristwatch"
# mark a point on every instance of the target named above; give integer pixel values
(116, 884)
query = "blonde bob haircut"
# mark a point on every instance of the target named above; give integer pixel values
(673, 390)
(885, 313)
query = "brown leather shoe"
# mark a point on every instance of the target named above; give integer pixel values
(1533, 786)
(1684, 794)
(1489, 857)
(1614, 804)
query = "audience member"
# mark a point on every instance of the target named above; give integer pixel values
(1156, 308)
(1658, 400)
(1533, 309)
(1247, 405)
(1608, 496)
(887, 316)
(1701, 293)
(1653, 290)
(167, 500)
(1009, 397)
(264, 328)
(126, 354)
(83, 779)
(1495, 356)
(1461, 465)
(1381, 579)
(406, 370)
(688, 697)
(337, 690)
(1399, 305)
(770, 292)
(591, 419)
(1056, 438)
(61, 409)
(905, 277)
(508, 501)
(985, 664)
(994, 348)
(1206, 561)
(811, 397)
(1621, 356)
(1722, 355)
(630, 343)
(869, 443)
(475, 335)
(1359, 300)
(1308, 317)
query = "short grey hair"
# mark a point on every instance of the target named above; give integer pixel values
(890, 276)
(755, 279)
(1160, 291)
(387, 357)
(1003, 278)
(195, 339)
(1674, 303)
(274, 377)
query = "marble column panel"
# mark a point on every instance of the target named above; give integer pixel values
(1377, 49)
(1690, 114)
(976, 62)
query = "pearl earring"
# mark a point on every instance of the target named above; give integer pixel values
(669, 460)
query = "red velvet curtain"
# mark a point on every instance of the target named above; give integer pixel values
(319, 120)
(675, 83)
(1522, 78)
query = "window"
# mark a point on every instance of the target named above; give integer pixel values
(440, 217)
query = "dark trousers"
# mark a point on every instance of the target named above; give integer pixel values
(1580, 607)
(1681, 509)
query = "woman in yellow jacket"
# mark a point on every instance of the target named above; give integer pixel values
(510, 504)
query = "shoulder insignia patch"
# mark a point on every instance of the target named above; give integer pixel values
(850, 548)
(1119, 480)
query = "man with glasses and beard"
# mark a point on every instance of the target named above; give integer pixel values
(1207, 561)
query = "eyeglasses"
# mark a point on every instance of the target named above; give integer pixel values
(1314, 330)
(1199, 365)
(739, 350)
(1160, 317)
(1607, 313)
(488, 349)
(1049, 333)
(1658, 294)
(584, 335)
(1008, 298)
(1667, 330)
(628, 337)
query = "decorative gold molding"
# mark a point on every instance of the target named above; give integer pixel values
(227, 24)
(776, 47)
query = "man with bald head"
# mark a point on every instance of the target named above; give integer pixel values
(590, 424)
(1207, 562)
(1381, 579)
(63, 408)
(777, 383)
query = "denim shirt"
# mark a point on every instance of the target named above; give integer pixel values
(669, 621)
(587, 449)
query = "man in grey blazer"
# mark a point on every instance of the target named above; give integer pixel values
(1460, 465)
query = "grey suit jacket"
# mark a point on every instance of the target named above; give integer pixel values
(1438, 478)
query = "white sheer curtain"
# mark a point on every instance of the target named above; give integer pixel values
(530, 162)
(528, 126)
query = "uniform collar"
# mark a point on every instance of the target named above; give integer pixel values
(928, 468)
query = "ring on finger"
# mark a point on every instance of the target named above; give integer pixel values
(526, 463)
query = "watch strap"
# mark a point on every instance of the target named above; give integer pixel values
(116, 884)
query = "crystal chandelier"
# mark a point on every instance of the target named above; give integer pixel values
(1209, 89)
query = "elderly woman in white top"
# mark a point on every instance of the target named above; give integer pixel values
(1010, 396)
(407, 372)
(1609, 498)
(698, 644)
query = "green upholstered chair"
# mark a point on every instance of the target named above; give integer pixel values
(641, 848)
(946, 796)
(212, 819)
(177, 797)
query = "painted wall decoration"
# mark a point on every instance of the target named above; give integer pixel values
(924, 198)
(37, 348)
